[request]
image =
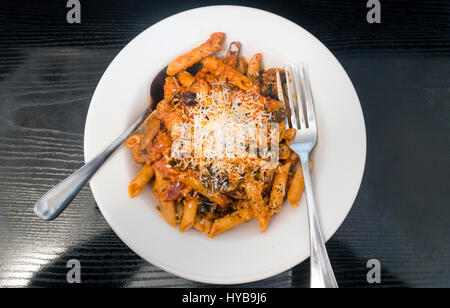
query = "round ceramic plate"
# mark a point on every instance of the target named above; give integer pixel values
(242, 254)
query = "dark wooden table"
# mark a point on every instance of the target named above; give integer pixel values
(400, 69)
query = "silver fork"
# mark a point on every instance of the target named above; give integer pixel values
(302, 117)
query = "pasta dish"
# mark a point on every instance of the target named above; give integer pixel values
(217, 145)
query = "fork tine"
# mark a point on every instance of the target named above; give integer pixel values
(292, 98)
(308, 97)
(299, 97)
(281, 99)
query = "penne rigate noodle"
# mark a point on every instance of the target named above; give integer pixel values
(185, 78)
(171, 88)
(281, 129)
(231, 220)
(203, 224)
(137, 184)
(151, 130)
(169, 212)
(242, 66)
(279, 188)
(285, 151)
(134, 140)
(179, 209)
(138, 156)
(297, 186)
(196, 185)
(273, 104)
(289, 134)
(159, 187)
(260, 209)
(189, 213)
(213, 44)
(155, 188)
(218, 68)
(294, 158)
(254, 66)
(232, 57)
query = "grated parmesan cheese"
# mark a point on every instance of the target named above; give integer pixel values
(222, 127)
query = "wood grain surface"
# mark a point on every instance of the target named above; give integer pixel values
(400, 69)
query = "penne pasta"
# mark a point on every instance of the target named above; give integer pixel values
(281, 129)
(289, 134)
(254, 66)
(196, 185)
(279, 188)
(297, 186)
(179, 210)
(203, 224)
(242, 66)
(171, 87)
(189, 214)
(273, 104)
(169, 212)
(138, 183)
(138, 155)
(161, 185)
(285, 151)
(151, 130)
(232, 57)
(260, 209)
(134, 140)
(218, 68)
(185, 79)
(231, 220)
(213, 44)
(294, 158)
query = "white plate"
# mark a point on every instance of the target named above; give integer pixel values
(242, 254)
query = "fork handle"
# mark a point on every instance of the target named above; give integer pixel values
(322, 275)
(50, 205)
